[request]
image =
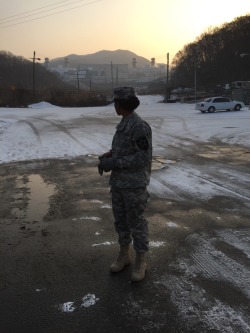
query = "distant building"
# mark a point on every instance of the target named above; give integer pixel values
(100, 74)
(241, 84)
(241, 91)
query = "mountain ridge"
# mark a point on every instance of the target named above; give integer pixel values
(102, 57)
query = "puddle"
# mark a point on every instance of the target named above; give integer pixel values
(37, 192)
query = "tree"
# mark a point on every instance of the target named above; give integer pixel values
(17, 71)
(215, 55)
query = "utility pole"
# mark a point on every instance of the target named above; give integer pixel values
(195, 84)
(77, 76)
(112, 78)
(90, 83)
(34, 84)
(195, 76)
(117, 76)
(167, 88)
(242, 55)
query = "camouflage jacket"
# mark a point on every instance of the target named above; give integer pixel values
(132, 152)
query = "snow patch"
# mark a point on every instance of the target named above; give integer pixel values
(172, 225)
(89, 300)
(67, 307)
(195, 306)
(42, 105)
(91, 218)
(106, 206)
(156, 244)
(105, 243)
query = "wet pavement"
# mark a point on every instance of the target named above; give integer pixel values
(57, 241)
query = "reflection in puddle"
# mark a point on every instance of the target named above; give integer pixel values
(38, 193)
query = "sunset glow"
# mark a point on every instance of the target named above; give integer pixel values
(149, 28)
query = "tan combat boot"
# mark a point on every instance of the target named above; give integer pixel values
(123, 259)
(138, 273)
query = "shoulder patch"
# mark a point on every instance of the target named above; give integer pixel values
(142, 143)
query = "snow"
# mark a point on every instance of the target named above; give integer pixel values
(87, 301)
(91, 218)
(42, 105)
(19, 143)
(156, 244)
(67, 307)
(195, 305)
(172, 225)
(46, 131)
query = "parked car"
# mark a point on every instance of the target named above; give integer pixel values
(212, 104)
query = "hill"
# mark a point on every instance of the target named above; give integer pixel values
(218, 57)
(21, 80)
(102, 57)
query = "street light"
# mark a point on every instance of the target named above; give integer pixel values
(34, 59)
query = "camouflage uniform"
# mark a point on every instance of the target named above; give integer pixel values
(132, 152)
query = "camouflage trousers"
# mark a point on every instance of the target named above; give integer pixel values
(130, 224)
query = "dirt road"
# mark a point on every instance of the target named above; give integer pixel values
(57, 242)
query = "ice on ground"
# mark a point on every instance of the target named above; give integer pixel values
(172, 225)
(67, 307)
(90, 218)
(45, 131)
(89, 300)
(240, 239)
(106, 206)
(196, 307)
(104, 244)
(156, 244)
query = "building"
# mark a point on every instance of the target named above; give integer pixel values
(99, 75)
(241, 91)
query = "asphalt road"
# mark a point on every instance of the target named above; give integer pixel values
(57, 241)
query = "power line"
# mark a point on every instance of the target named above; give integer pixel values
(43, 11)
(32, 10)
(59, 12)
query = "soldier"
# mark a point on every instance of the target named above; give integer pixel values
(129, 161)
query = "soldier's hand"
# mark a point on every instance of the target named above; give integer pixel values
(107, 164)
(105, 155)
(100, 169)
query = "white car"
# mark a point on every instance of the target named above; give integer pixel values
(218, 103)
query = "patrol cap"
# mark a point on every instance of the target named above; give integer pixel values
(124, 93)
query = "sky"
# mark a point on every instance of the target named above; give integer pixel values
(149, 28)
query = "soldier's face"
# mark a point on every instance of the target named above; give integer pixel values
(117, 108)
